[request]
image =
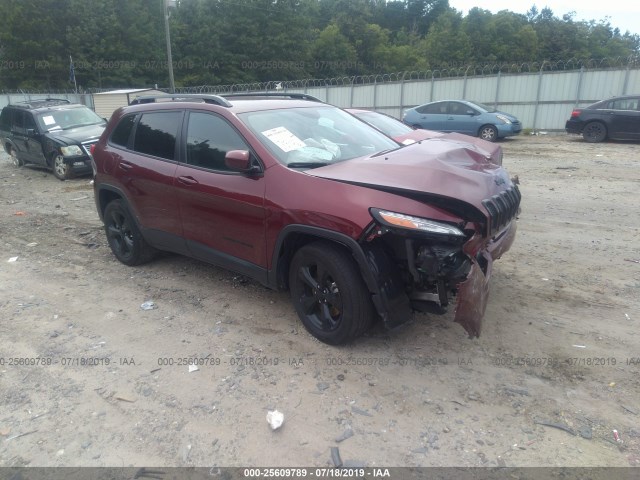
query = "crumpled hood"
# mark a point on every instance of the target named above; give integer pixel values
(77, 135)
(445, 171)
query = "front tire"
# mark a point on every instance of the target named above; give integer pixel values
(329, 294)
(124, 237)
(488, 133)
(61, 169)
(594, 132)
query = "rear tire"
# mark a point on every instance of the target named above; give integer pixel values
(14, 157)
(329, 294)
(594, 132)
(124, 237)
(61, 169)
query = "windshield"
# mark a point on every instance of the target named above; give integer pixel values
(387, 125)
(315, 136)
(68, 118)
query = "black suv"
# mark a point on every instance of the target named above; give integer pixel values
(51, 132)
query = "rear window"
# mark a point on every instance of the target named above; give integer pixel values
(156, 134)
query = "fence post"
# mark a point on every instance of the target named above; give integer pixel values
(351, 92)
(431, 89)
(402, 94)
(375, 91)
(495, 102)
(535, 110)
(626, 79)
(579, 88)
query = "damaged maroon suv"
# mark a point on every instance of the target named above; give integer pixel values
(300, 195)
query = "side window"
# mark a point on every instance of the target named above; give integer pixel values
(456, 108)
(29, 122)
(156, 134)
(5, 119)
(624, 104)
(439, 108)
(122, 132)
(209, 138)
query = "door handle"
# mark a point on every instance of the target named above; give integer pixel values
(188, 180)
(125, 166)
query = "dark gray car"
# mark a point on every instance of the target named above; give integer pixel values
(617, 118)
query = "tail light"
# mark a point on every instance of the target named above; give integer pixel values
(576, 113)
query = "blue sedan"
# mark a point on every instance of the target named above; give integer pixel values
(465, 117)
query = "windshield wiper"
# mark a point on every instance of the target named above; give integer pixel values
(307, 164)
(377, 154)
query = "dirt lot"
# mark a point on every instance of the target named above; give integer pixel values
(560, 344)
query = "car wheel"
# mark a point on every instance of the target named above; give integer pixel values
(14, 157)
(61, 170)
(124, 237)
(594, 132)
(329, 294)
(488, 133)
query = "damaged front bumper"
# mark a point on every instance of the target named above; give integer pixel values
(394, 298)
(473, 293)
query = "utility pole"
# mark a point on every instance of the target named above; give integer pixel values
(172, 84)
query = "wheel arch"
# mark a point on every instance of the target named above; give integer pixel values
(106, 194)
(378, 272)
(293, 237)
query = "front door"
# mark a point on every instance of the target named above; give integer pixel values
(222, 211)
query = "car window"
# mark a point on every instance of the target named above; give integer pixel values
(29, 122)
(156, 134)
(209, 138)
(5, 119)
(438, 108)
(122, 132)
(624, 104)
(457, 108)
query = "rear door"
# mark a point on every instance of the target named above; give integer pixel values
(433, 116)
(147, 171)
(625, 118)
(22, 121)
(222, 211)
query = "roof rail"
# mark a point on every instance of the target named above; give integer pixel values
(42, 102)
(293, 95)
(181, 97)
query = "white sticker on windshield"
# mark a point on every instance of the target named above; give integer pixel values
(48, 120)
(284, 139)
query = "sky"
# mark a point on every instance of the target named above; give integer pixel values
(624, 14)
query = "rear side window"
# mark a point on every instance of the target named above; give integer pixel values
(122, 132)
(434, 108)
(209, 138)
(156, 134)
(624, 104)
(5, 119)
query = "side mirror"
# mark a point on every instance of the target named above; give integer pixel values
(240, 161)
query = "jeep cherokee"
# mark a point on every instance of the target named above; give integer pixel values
(300, 195)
